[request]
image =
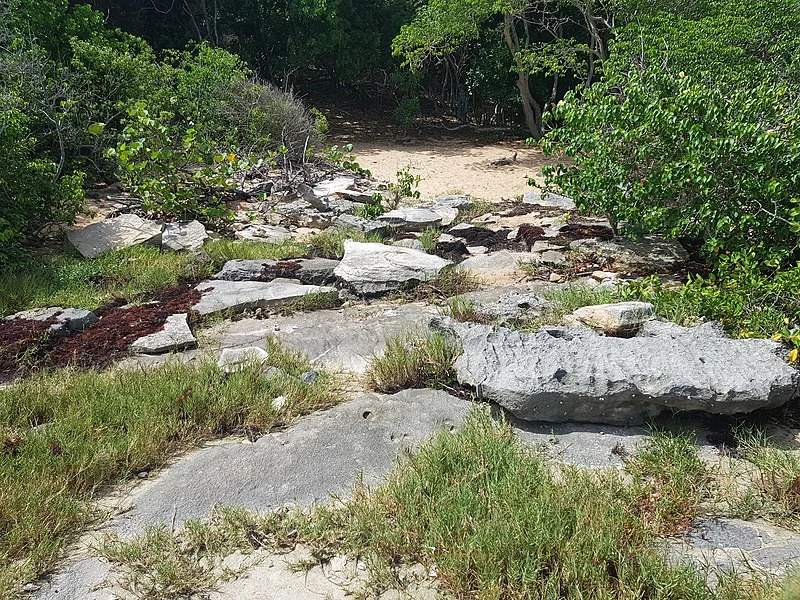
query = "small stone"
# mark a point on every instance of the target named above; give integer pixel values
(143, 474)
(549, 200)
(279, 402)
(267, 234)
(174, 337)
(459, 201)
(31, 587)
(411, 219)
(412, 243)
(475, 250)
(551, 257)
(512, 235)
(309, 376)
(236, 359)
(614, 319)
(604, 275)
(542, 246)
(557, 278)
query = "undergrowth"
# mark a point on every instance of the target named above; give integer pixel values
(413, 361)
(493, 518)
(64, 435)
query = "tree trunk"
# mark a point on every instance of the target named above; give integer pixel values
(530, 107)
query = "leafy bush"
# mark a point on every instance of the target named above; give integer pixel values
(746, 300)
(664, 153)
(180, 176)
(32, 193)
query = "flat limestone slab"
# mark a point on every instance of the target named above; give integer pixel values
(345, 339)
(175, 336)
(237, 296)
(112, 234)
(378, 268)
(560, 374)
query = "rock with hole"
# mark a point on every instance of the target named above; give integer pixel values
(562, 374)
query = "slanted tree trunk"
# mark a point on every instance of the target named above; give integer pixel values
(531, 109)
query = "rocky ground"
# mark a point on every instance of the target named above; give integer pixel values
(581, 389)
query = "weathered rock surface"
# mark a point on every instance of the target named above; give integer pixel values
(235, 359)
(346, 339)
(321, 455)
(184, 235)
(113, 234)
(237, 296)
(377, 268)
(354, 223)
(620, 318)
(549, 200)
(652, 254)
(411, 219)
(269, 234)
(725, 545)
(562, 374)
(311, 271)
(66, 319)
(502, 305)
(175, 336)
(412, 243)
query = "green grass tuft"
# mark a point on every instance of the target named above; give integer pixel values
(413, 361)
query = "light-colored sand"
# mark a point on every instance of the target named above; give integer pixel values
(450, 164)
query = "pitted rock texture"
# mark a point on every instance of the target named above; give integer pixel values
(560, 374)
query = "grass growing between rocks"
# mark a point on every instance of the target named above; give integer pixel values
(765, 482)
(413, 361)
(70, 281)
(65, 435)
(330, 242)
(494, 518)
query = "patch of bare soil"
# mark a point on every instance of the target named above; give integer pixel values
(448, 161)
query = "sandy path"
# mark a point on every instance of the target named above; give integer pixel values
(447, 162)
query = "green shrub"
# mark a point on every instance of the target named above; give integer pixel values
(667, 154)
(32, 192)
(180, 176)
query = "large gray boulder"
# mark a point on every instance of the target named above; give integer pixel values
(219, 296)
(377, 268)
(114, 234)
(562, 374)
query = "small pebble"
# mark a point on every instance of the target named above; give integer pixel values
(279, 402)
(309, 376)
